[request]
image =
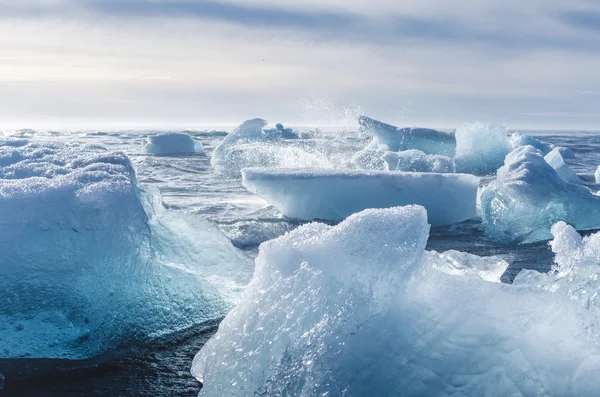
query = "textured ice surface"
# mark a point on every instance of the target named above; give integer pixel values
(253, 145)
(90, 260)
(398, 139)
(528, 197)
(555, 159)
(481, 147)
(518, 139)
(171, 143)
(335, 194)
(407, 160)
(358, 309)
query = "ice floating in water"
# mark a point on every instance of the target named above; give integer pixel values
(335, 194)
(576, 269)
(518, 139)
(481, 147)
(90, 260)
(396, 139)
(358, 310)
(528, 197)
(171, 143)
(555, 159)
(252, 145)
(597, 175)
(407, 160)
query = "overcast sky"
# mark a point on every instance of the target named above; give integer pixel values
(527, 64)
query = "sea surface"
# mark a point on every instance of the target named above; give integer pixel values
(188, 183)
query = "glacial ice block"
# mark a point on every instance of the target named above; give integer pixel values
(481, 147)
(360, 308)
(90, 260)
(171, 143)
(335, 194)
(555, 159)
(528, 197)
(253, 145)
(398, 139)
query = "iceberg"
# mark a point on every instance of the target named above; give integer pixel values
(407, 160)
(397, 139)
(253, 145)
(331, 194)
(92, 261)
(167, 143)
(360, 309)
(528, 196)
(481, 147)
(555, 159)
(518, 139)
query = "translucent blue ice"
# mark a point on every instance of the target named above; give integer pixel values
(360, 309)
(528, 196)
(91, 260)
(167, 143)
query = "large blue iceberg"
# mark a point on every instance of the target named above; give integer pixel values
(90, 260)
(360, 309)
(335, 194)
(528, 196)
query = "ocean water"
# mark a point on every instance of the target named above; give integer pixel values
(188, 183)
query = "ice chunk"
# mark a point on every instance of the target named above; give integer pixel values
(417, 161)
(90, 260)
(489, 268)
(528, 197)
(335, 194)
(253, 145)
(597, 175)
(171, 143)
(518, 139)
(357, 309)
(576, 270)
(481, 147)
(555, 159)
(397, 139)
(370, 159)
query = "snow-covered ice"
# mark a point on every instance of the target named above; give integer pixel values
(481, 147)
(167, 143)
(91, 260)
(528, 196)
(397, 139)
(335, 194)
(360, 309)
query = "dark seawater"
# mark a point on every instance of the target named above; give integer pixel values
(161, 367)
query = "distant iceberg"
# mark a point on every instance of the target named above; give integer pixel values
(335, 194)
(167, 143)
(90, 260)
(253, 145)
(528, 196)
(397, 139)
(361, 308)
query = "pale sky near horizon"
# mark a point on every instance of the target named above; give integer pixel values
(532, 64)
